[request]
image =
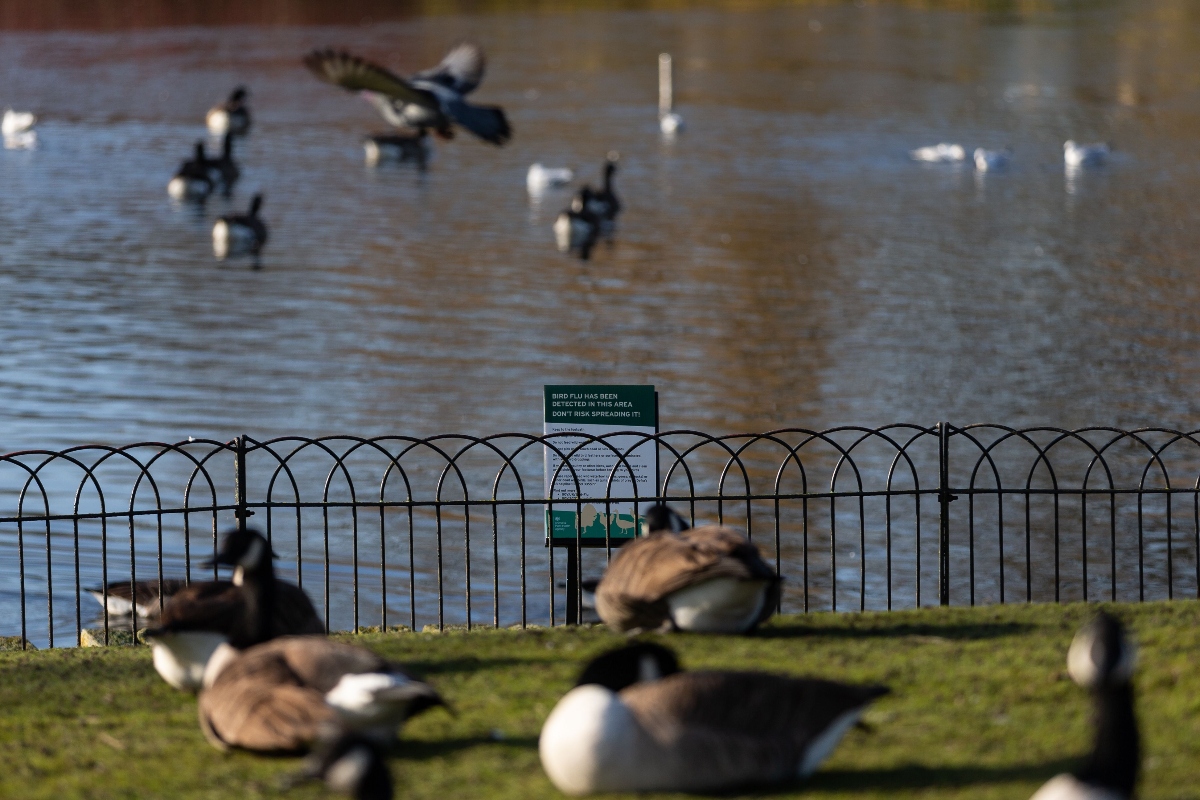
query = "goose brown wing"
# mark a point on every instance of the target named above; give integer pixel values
(259, 703)
(764, 707)
(321, 663)
(461, 70)
(357, 75)
(633, 592)
(206, 606)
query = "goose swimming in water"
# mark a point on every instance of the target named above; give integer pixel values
(411, 146)
(224, 171)
(540, 178)
(232, 116)
(939, 153)
(434, 98)
(1084, 155)
(710, 579)
(1101, 660)
(192, 180)
(253, 608)
(15, 122)
(635, 722)
(240, 234)
(577, 228)
(991, 160)
(604, 203)
(279, 696)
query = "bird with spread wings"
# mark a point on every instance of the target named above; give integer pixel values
(431, 99)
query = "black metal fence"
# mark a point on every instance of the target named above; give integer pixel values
(451, 529)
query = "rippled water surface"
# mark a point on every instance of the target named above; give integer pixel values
(782, 262)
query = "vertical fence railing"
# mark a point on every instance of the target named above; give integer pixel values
(1048, 514)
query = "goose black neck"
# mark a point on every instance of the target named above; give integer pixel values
(227, 149)
(258, 594)
(1116, 755)
(255, 205)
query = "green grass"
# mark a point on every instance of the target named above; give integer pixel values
(982, 708)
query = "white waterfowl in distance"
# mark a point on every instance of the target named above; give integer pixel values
(710, 579)
(1084, 155)
(635, 722)
(991, 160)
(540, 178)
(434, 98)
(15, 122)
(939, 153)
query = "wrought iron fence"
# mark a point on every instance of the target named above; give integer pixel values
(450, 529)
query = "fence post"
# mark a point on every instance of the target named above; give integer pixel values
(240, 511)
(572, 610)
(944, 500)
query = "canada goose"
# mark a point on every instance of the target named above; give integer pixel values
(224, 170)
(253, 608)
(240, 234)
(232, 116)
(399, 147)
(710, 579)
(991, 160)
(635, 722)
(540, 178)
(1084, 155)
(433, 98)
(279, 696)
(1101, 660)
(351, 764)
(15, 122)
(604, 203)
(118, 596)
(669, 122)
(939, 153)
(576, 228)
(192, 181)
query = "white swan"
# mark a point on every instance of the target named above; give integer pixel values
(15, 122)
(1082, 155)
(540, 178)
(939, 153)
(990, 160)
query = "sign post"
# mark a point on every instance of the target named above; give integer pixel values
(622, 463)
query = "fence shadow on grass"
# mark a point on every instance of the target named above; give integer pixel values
(920, 776)
(955, 631)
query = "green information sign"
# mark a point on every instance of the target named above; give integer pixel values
(620, 414)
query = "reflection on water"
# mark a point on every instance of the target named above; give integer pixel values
(781, 262)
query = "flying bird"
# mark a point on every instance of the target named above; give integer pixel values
(434, 98)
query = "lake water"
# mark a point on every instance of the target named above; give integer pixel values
(781, 262)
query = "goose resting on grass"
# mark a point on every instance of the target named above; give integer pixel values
(255, 607)
(434, 98)
(351, 764)
(1101, 660)
(278, 697)
(634, 722)
(710, 579)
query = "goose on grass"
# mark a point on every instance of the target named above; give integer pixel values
(433, 99)
(192, 180)
(240, 234)
(254, 607)
(710, 579)
(278, 697)
(232, 116)
(350, 764)
(635, 722)
(1101, 660)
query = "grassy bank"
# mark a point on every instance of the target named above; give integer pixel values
(982, 708)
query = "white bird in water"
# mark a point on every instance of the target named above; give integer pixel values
(1084, 155)
(15, 122)
(939, 153)
(991, 160)
(668, 121)
(540, 178)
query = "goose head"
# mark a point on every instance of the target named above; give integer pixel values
(661, 517)
(1101, 655)
(246, 550)
(256, 205)
(635, 663)
(238, 96)
(353, 765)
